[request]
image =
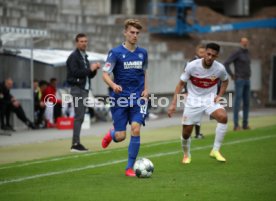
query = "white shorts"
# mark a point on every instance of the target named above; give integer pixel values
(193, 115)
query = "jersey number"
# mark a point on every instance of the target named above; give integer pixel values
(143, 108)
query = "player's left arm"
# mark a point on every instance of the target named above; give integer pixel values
(222, 90)
(145, 92)
(223, 87)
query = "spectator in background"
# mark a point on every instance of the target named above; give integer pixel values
(53, 103)
(67, 108)
(241, 76)
(39, 105)
(10, 104)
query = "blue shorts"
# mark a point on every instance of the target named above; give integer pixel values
(121, 116)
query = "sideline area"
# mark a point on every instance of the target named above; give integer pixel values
(30, 145)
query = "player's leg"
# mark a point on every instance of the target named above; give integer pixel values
(133, 148)
(198, 135)
(186, 143)
(220, 115)
(137, 116)
(246, 104)
(191, 116)
(118, 133)
(237, 102)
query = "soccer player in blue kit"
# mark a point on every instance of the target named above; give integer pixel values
(128, 63)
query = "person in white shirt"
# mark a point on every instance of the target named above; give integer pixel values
(201, 77)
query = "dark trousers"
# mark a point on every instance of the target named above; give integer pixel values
(78, 96)
(7, 108)
(242, 94)
(1, 115)
(39, 115)
(57, 111)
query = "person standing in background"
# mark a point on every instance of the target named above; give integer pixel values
(241, 76)
(79, 73)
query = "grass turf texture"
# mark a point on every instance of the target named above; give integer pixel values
(248, 174)
(61, 147)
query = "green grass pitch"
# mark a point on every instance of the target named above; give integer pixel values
(249, 173)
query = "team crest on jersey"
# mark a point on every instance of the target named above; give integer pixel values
(213, 77)
(124, 56)
(140, 55)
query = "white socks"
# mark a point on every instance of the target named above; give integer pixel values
(186, 144)
(220, 133)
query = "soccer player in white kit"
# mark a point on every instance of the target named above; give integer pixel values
(201, 77)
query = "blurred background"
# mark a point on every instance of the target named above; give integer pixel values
(172, 29)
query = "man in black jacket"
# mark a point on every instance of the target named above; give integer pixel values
(10, 104)
(79, 73)
(241, 76)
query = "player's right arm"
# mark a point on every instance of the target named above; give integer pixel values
(107, 69)
(107, 79)
(178, 89)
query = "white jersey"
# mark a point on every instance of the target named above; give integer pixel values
(202, 82)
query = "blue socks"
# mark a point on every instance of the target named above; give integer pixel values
(112, 133)
(133, 150)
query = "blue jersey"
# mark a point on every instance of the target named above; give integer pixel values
(128, 69)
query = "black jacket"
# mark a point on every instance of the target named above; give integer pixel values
(241, 59)
(5, 96)
(77, 71)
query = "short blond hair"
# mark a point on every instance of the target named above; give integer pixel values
(199, 46)
(133, 22)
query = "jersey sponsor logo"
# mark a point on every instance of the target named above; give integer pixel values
(204, 82)
(133, 65)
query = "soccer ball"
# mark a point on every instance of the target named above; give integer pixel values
(143, 168)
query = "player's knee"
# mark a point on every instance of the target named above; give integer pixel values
(135, 130)
(186, 131)
(120, 136)
(222, 119)
(185, 136)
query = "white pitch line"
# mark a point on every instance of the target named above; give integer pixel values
(62, 172)
(124, 160)
(53, 159)
(79, 155)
